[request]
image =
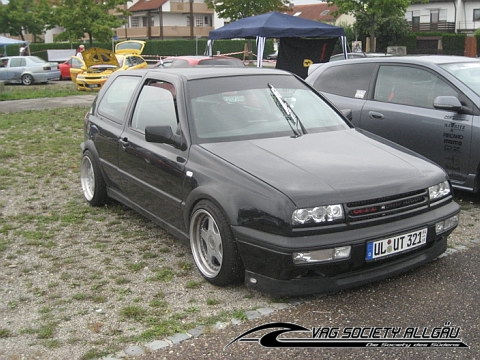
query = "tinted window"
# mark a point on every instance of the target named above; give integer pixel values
(114, 103)
(409, 86)
(155, 107)
(351, 80)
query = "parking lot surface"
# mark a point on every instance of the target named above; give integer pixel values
(443, 292)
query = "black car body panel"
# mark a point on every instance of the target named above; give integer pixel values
(260, 173)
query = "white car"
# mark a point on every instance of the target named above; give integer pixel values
(27, 70)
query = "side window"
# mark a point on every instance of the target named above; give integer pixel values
(115, 101)
(409, 86)
(17, 62)
(351, 80)
(155, 106)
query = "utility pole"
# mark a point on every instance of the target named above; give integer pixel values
(191, 19)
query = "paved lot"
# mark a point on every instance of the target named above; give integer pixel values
(444, 291)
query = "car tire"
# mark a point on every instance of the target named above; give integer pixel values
(27, 79)
(213, 246)
(93, 184)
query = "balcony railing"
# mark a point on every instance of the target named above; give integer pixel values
(184, 7)
(168, 32)
(442, 26)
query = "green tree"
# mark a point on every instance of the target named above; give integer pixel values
(235, 9)
(371, 14)
(25, 16)
(96, 18)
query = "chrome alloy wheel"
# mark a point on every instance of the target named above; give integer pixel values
(206, 243)
(87, 178)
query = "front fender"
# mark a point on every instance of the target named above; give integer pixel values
(246, 203)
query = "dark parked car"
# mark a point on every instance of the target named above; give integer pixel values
(267, 181)
(429, 104)
(27, 70)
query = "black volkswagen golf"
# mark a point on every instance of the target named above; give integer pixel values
(265, 180)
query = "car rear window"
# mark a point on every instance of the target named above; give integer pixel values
(350, 80)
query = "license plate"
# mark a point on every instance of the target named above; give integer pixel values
(395, 245)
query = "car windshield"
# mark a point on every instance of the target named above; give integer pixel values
(246, 108)
(468, 73)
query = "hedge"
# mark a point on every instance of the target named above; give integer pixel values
(158, 47)
(453, 44)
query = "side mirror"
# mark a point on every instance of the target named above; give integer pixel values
(449, 103)
(164, 135)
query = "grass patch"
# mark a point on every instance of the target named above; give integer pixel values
(52, 89)
(5, 333)
(133, 312)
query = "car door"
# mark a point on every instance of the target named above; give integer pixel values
(108, 122)
(401, 109)
(11, 69)
(16, 68)
(4, 70)
(154, 172)
(77, 66)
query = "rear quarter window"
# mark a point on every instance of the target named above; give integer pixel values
(350, 80)
(114, 103)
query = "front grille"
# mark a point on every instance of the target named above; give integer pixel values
(386, 206)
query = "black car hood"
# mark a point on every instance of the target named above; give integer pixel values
(330, 167)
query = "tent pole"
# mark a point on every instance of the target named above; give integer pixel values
(344, 46)
(260, 49)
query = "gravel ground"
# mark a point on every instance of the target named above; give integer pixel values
(79, 283)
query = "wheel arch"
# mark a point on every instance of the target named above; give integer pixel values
(90, 146)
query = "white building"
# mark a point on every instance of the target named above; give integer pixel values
(461, 16)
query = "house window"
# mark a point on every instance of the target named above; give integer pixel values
(135, 21)
(199, 21)
(476, 14)
(434, 16)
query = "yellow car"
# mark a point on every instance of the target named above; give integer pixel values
(100, 63)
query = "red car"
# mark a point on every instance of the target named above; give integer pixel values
(73, 62)
(199, 60)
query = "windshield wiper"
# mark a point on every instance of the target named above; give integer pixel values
(292, 118)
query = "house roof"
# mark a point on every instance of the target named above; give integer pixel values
(318, 12)
(143, 5)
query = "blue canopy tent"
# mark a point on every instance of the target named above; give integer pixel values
(4, 41)
(286, 28)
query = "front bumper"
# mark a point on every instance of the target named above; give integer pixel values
(269, 264)
(90, 85)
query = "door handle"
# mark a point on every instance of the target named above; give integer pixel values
(375, 115)
(124, 142)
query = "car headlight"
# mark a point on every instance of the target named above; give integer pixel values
(439, 191)
(318, 215)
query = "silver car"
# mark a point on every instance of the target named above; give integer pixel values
(429, 104)
(27, 70)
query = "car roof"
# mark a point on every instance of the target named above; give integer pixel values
(412, 59)
(192, 73)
